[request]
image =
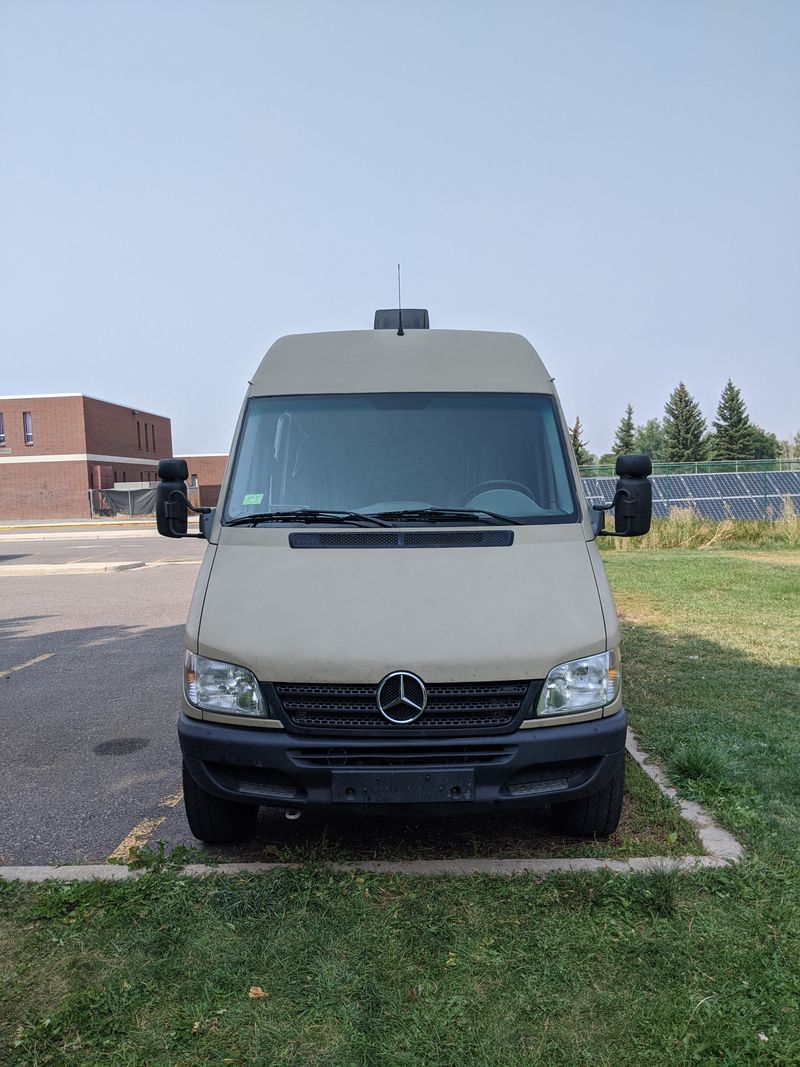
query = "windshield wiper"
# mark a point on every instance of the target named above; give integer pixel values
(494, 518)
(354, 518)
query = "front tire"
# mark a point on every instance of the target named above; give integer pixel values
(596, 815)
(214, 820)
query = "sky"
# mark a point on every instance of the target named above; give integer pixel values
(182, 182)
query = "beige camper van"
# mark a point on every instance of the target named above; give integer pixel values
(402, 605)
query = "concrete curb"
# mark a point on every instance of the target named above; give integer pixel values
(34, 570)
(723, 850)
(39, 570)
(717, 842)
(458, 868)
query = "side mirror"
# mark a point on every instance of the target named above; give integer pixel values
(633, 500)
(172, 505)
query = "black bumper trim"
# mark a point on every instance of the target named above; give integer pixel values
(542, 765)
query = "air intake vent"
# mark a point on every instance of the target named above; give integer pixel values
(420, 755)
(403, 539)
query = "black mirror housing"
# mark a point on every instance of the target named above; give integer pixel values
(173, 470)
(172, 504)
(633, 500)
(634, 465)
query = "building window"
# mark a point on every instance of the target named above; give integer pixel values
(27, 427)
(139, 434)
(153, 435)
(146, 439)
(2, 430)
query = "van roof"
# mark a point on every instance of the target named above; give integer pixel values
(378, 361)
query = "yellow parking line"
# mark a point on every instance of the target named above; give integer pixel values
(137, 838)
(30, 663)
(143, 831)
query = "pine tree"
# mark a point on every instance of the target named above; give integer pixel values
(582, 454)
(684, 427)
(623, 440)
(733, 436)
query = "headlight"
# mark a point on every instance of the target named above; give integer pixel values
(217, 686)
(581, 685)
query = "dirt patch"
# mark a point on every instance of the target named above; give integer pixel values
(633, 607)
(783, 556)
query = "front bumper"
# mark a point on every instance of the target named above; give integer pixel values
(523, 769)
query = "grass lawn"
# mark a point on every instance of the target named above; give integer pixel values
(357, 971)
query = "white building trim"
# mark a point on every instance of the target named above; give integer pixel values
(81, 457)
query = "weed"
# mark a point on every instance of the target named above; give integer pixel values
(699, 760)
(684, 528)
(156, 858)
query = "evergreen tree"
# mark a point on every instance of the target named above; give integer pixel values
(649, 438)
(763, 445)
(733, 430)
(582, 454)
(623, 440)
(684, 427)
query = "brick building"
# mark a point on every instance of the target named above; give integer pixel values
(207, 472)
(54, 448)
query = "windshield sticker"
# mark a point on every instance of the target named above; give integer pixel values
(252, 498)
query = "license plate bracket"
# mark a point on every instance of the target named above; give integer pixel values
(402, 787)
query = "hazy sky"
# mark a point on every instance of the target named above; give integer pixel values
(182, 182)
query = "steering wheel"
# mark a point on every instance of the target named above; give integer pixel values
(494, 483)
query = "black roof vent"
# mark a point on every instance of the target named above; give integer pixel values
(413, 319)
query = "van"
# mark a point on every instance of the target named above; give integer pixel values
(402, 606)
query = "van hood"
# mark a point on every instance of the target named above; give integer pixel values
(447, 614)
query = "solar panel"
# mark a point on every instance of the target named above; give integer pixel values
(742, 495)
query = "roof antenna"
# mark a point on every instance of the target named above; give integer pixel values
(400, 332)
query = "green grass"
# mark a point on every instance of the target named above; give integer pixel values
(368, 971)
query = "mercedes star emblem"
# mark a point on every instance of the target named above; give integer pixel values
(401, 697)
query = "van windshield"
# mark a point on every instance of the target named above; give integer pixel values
(376, 453)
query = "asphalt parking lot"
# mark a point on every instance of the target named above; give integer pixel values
(89, 683)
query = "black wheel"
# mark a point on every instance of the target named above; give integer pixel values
(213, 819)
(596, 815)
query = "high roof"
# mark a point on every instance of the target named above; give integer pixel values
(365, 361)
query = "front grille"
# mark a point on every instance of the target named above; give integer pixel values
(402, 756)
(456, 707)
